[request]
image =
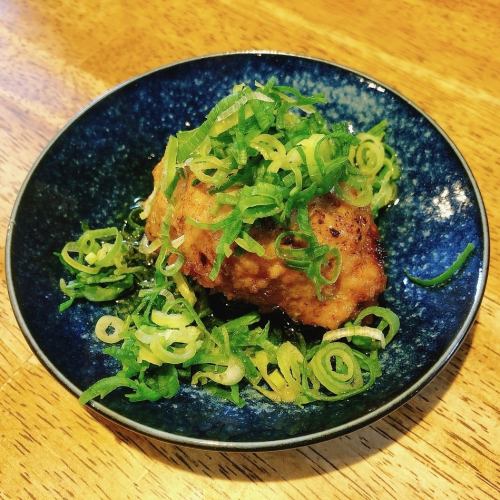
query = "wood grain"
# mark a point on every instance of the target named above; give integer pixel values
(57, 55)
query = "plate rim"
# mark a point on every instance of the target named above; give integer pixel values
(284, 443)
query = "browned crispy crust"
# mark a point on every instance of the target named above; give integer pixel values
(266, 281)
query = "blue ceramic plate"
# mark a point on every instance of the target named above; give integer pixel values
(102, 160)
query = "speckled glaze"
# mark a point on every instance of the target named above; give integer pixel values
(102, 160)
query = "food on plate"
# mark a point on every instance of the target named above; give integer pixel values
(265, 279)
(268, 204)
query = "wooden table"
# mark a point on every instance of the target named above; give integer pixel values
(56, 55)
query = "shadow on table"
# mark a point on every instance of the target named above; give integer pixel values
(306, 461)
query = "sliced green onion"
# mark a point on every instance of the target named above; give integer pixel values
(104, 386)
(388, 316)
(249, 244)
(233, 373)
(309, 146)
(368, 155)
(188, 143)
(345, 377)
(148, 249)
(104, 323)
(271, 149)
(282, 389)
(184, 288)
(162, 345)
(172, 320)
(357, 191)
(446, 275)
(379, 129)
(169, 269)
(168, 166)
(361, 331)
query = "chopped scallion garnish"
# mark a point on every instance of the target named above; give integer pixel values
(448, 273)
(263, 154)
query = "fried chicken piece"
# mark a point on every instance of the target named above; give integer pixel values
(266, 281)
